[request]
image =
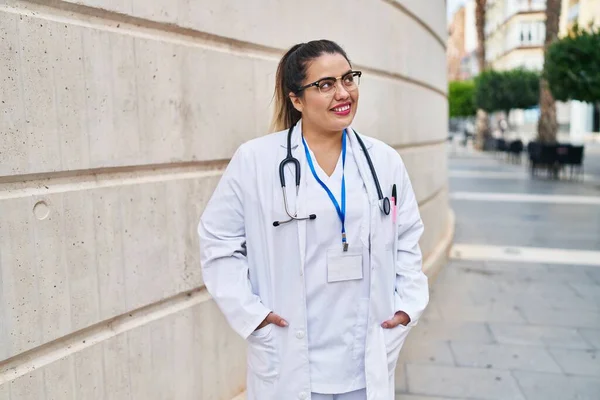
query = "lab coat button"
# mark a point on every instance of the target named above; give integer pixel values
(302, 395)
(300, 335)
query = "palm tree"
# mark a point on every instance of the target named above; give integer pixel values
(547, 125)
(483, 128)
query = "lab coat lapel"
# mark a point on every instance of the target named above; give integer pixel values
(365, 174)
(363, 166)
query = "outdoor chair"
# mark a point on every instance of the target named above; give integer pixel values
(515, 148)
(575, 160)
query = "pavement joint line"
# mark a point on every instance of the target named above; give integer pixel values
(495, 369)
(471, 368)
(491, 332)
(592, 278)
(555, 360)
(525, 198)
(537, 325)
(452, 353)
(508, 175)
(476, 252)
(586, 340)
(433, 397)
(519, 386)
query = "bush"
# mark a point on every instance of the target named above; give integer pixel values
(572, 66)
(461, 99)
(507, 90)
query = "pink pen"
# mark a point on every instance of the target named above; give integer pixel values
(394, 204)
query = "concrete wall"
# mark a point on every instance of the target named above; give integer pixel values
(116, 119)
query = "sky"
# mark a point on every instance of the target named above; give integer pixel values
(452, 6)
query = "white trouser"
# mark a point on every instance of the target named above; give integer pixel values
(356, 395)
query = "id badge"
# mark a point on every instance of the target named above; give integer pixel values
(344, 265)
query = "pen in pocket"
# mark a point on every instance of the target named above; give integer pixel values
(394, 204)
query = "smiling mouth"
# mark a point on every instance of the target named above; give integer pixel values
(341, 109)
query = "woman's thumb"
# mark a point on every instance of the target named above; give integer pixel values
(277, 320)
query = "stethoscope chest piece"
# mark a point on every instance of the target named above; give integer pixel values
(384, 205)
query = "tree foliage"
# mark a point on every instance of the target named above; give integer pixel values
(572, 66)
(461, 98)
(507, 90)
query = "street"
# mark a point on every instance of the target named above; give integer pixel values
(515, 314)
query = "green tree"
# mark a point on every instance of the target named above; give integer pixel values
(572, 66)
(507, 90)
(461, 98)
(524, 88)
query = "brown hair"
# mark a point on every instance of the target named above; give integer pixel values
(291, 72)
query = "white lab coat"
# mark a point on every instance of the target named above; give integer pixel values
(251, 267)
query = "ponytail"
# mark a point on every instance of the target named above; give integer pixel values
(284, 115)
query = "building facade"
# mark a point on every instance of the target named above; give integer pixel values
(117, 120)
(456, 45)
(462, 44)
(514, 38)
(515, 31)
(470, 65)
(515, 35)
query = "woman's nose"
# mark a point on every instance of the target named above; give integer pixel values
(341, 92)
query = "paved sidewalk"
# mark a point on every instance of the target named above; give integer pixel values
(511, 329)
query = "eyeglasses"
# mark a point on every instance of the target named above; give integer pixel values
(328, 86)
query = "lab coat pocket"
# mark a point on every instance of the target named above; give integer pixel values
(263, 360)
(360, 329)
(394, 340)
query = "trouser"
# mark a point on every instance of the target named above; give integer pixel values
(356, 395)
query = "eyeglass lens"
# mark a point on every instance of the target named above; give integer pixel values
(350, 82)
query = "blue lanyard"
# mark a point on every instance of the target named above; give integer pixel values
(340, 210)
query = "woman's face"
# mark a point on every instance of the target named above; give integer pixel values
(331, 111)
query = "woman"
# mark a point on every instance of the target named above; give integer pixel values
(325, 299)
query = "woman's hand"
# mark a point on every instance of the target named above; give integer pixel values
(272, 318)
(400, 318)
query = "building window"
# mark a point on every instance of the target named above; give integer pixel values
(532, 33)
(538, 5)
(573, 12)
(522, 5)
(525, 33)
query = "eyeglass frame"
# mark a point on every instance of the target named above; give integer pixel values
(316, 83)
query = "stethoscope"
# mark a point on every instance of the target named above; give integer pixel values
(384, 202)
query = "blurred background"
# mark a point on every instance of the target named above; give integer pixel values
(515, 313)
(117, 118)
